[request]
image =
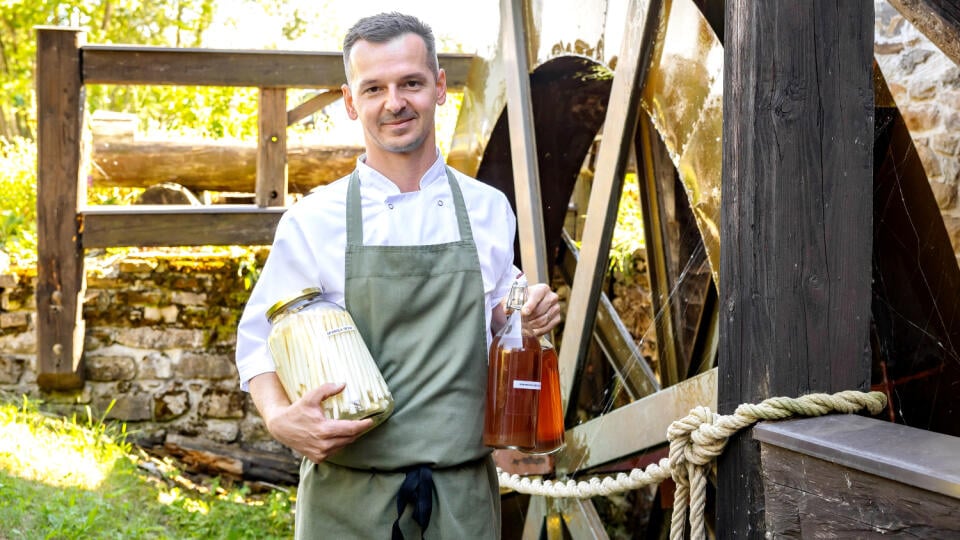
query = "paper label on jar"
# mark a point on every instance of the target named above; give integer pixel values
(526, 385)
(341, 330)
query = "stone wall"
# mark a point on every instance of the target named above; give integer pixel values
(158, 356)
(925, 85)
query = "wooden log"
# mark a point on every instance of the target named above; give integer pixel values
(60, 327)
(213, 166)
(796, 235)
(208, 457)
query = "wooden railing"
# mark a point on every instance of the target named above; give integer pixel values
(66, 225)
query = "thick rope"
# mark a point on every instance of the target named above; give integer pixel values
(695, 441)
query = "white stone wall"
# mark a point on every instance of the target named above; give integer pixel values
(925, 85)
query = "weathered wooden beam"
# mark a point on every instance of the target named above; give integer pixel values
(796, 228)
(851, 476)
(123, 64)
(213, 166)
(523, 143)
(618, 129)
(635, 427)
(169, 225)
(60, 191)
(272, 148)
(315, 103)
(939, 20)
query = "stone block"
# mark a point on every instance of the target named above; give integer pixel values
(131, 406)
(155, 366)
(160, 338)
(167, 314)
(9, 281)
(186, 298)
(919, 118)
(945, 193)
(953, 229)
(911, 59)
(11, 369)
(929, 159)
(221, 403)
(19, 343)
(946, 143)
(171, 404)
(205, 366)
(923, 89)
(110, 368)
(16, 319)
(137, 266)
(222, 431)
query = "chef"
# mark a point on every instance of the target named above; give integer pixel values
(421, 256)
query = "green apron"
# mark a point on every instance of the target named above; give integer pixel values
(420, 310)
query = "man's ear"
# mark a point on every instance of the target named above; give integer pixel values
(348, 102)
(441, 87)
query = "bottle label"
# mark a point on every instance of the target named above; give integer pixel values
(526, 385)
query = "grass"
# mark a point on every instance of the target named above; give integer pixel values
(79, 478)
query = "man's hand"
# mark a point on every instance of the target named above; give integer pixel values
(541, 312)
(302, 425)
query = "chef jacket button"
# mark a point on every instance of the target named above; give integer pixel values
(440, 203)
(390, 206)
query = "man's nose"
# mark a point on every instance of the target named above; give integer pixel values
(395, 101)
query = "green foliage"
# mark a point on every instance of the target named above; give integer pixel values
(628, 235)
(18, 205)
(39, 500)
(141, 22)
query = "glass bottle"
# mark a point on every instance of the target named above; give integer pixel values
(513, 380)
(312, 342)
(550, 408)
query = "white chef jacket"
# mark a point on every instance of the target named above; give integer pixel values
(310, 242)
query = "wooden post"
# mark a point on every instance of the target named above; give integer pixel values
(271, 187)
(796, 225)
(60, 191)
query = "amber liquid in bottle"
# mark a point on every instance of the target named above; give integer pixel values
(513, 389)
(549, 408)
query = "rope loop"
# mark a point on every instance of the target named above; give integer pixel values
(695, 441)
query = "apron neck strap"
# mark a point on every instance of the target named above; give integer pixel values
(355, 212)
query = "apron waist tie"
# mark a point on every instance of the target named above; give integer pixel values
(416, 490)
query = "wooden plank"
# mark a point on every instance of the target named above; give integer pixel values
(939, 20)
(618, 129)
(796, 229)
(312, 105)
(632, 428)
(60, 190)
(122, 64)
(807, 497)
(903, 454)
(523, 143)
(169, 225)
(272, 148)
(635, 374)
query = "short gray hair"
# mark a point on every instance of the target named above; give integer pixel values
(385, 27)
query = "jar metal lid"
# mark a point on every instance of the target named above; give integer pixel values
(283, 304)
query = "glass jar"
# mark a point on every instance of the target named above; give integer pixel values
(314, 341)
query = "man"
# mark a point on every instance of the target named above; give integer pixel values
(421, 257)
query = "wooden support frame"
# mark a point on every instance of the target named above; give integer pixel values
(797, 218)
(60, 190)
(67, 226)
(523, 144)
(621, 120)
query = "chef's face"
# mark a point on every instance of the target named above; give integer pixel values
(394, 93)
